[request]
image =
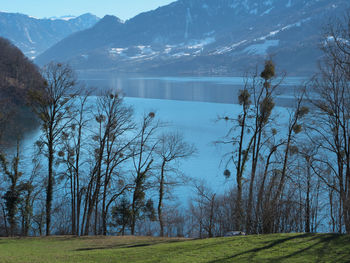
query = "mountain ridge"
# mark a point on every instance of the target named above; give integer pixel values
(33, 36)
(203, 37)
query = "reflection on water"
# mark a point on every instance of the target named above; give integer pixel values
(205, 89)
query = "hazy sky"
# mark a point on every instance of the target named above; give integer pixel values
(124, 9)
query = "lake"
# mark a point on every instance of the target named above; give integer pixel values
(190, 105)
(203, 89)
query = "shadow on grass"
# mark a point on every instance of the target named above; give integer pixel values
(181, 249)
(256, 250)
(114, 246)
(127, 245)
(324, 241)
(320, 252)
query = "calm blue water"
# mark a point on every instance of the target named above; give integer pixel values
(205, 89)
(182, 102)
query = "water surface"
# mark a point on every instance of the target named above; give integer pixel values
(203, 89)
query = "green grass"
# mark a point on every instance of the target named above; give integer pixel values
(263, 248)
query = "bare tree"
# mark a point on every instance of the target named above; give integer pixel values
(71, 155)
(143, 150)
(172, 148)
(204, 209)
(331, 132)
(257, 104)
(111, 147)
(52, 106)
(272, 199)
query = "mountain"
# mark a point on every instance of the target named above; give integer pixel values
(33, 36)
(204, 37)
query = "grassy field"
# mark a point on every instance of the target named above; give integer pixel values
(264, 248)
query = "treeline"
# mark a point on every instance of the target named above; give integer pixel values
(99, 160)
(97, 169)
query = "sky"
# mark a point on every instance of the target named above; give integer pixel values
(124, 9)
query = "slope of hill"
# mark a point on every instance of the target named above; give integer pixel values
(270, 248)
(33, 36)
(204, 36)
(17, 76)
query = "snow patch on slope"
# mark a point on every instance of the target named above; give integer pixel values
(197, 44)
(28, 36)
(229, 48)
(117, 51)
(267, 11)
(65, 18)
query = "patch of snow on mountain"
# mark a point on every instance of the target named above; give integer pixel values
(28, 36)
(145, 49)
(181, 54)
(168, 49)
(116, 51)
(271, 34)
(229, 48)
(261, 49)
(201, 43)
(297, 24)
(267, 11)
(65, 18)
(31, 54)
(275, 32)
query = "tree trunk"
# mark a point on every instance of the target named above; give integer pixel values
(307, 212)
(240, 165)
(49, 192)
(262, 186)
(5, 220)
(256, 151)
(161, 193)
(96, 229)
(72, 189)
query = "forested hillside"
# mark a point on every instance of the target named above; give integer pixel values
(17, 77)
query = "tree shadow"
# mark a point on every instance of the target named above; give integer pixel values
(256, 250)
(128, 245)
(326, 240)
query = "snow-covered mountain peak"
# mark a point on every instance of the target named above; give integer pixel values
(65, 18)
